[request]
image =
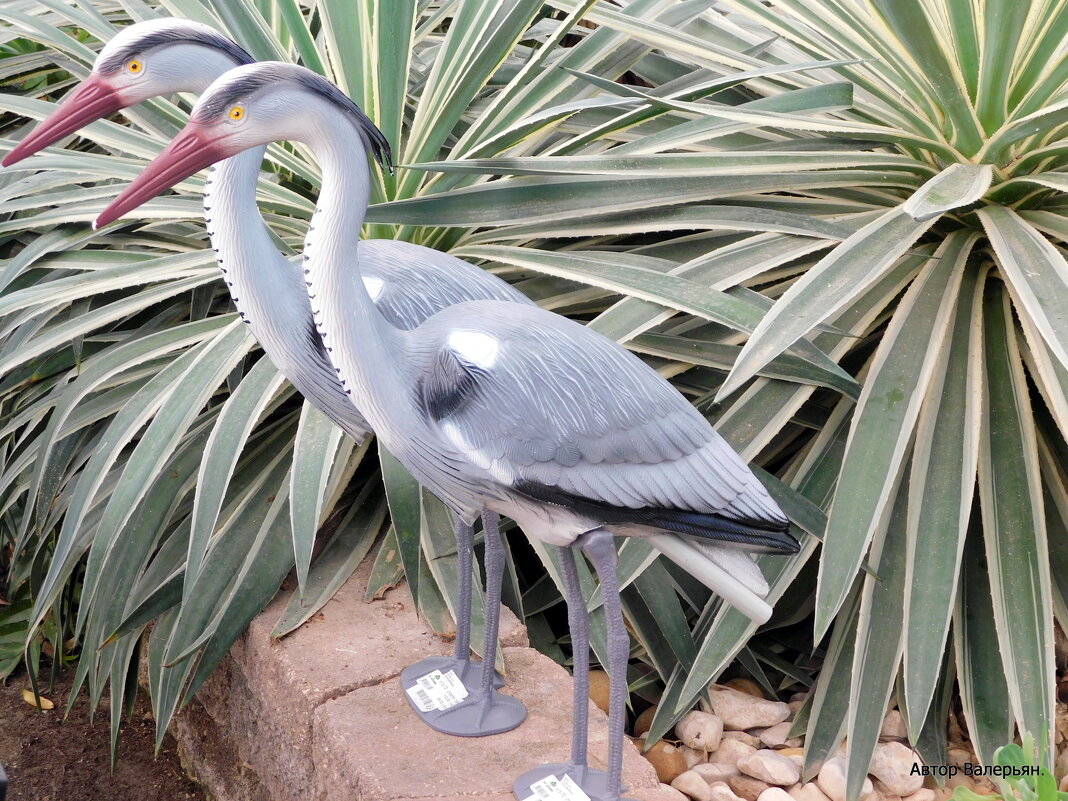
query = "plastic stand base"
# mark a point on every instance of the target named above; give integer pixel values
(476, 715)
(594, 783)
(467, 670)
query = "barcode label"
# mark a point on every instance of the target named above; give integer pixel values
(553, 789)
(437, 690)
(421, 698)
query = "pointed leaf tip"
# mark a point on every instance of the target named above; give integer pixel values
(956, 186)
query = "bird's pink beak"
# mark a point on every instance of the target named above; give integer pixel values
(190, 151)
(91, 100)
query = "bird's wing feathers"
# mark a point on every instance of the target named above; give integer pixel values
(549, 402)
(410, 283)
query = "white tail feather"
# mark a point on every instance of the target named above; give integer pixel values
(730, 587)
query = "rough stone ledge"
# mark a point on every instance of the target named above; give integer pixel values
(320, 715)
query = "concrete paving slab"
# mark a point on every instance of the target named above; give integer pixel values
(368, 744)
(320, 714)
(276, 685)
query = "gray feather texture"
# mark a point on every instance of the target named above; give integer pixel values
(560, 406)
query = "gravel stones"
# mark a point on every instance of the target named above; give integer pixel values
(730, 751)
(779, 734)
(668, 761)
(892, 764)
(713, 772)
(810, 791)
(700, 730)
(832, 780)
(721, 791)
(775, 794)
(740, 711)
(747, 787)
(691, 783)
(894, 727)
(737, 748)
(770, 767)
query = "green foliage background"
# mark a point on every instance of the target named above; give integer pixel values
(837, 226)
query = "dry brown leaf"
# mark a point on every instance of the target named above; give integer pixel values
(28, 697)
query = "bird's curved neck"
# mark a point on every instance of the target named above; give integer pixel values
(364, 346)
(238, 234)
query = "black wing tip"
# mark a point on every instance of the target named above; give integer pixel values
(763, 536)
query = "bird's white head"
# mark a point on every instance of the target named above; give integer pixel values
(247, 107)
(144, 60)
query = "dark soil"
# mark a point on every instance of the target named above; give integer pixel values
(48, 758)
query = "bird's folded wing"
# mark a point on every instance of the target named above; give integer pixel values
(550, 402)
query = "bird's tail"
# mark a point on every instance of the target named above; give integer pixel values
(730, 573)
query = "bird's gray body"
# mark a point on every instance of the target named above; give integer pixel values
(493, 405)
(491, 420)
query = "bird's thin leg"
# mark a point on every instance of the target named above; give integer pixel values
(491, 526)
(599, 545)
(579, 625)
(465, 541)
(476, 709)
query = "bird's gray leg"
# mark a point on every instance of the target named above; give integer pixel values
(599, 545)
(491, 526)
(465, 540)
(579, 625)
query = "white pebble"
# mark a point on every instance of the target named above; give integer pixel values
(810, 791)
(693, 756)
(721, 791)
(740, 711)
(770, 767)
(775, 794)
(779, 735)
(692, 785)
(730, 751)
(742, 737)
(832, 780)
(669, 793)
(894, 727)
(700, 730)
(713, 772)
(893, 764)
(923, 794)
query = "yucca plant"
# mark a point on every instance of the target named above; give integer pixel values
(156, 470)
(944, 480)
(947, 476)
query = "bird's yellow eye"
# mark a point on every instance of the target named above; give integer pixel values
(135, 66)
(237, 113)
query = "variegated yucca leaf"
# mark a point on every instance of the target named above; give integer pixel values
(149, 500)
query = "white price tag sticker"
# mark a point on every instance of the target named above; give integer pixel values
(553, 789)
(437, 690)
(451, 690)
(420, 695)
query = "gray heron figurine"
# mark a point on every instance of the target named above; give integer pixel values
(408, 282)
(492, 405)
